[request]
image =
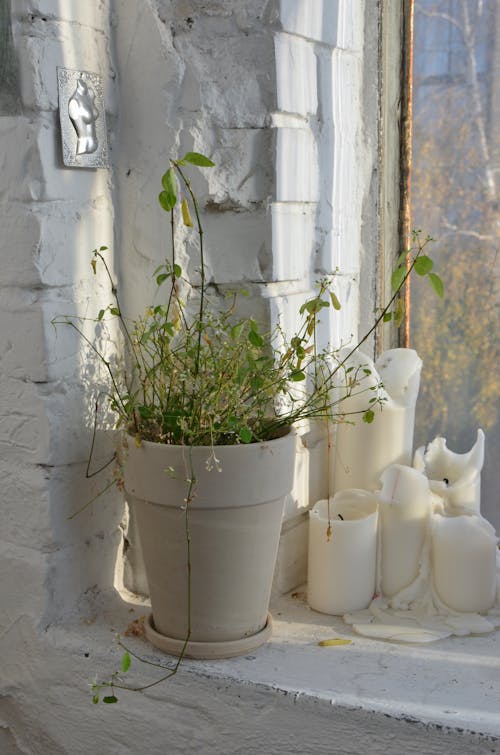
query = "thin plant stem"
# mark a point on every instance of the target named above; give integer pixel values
(92, 500)
(201, 313)
(88, 473)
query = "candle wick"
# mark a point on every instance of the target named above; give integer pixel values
(393, 493)
(340, 516)
(446, 481)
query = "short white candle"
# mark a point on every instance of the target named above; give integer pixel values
(362, 450)
(342, 569)
(404, 509)
(464, 562)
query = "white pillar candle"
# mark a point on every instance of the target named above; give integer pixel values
(342, 568)
(362, 450)
(454, 477)
(404, 510)
(464, 562)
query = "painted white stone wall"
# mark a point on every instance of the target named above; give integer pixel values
(274, 94)
(277, 93)
(325, 200)
(51, 218)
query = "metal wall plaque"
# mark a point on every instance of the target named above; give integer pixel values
(83, 120)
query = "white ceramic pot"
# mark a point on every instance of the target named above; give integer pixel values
(233, 521)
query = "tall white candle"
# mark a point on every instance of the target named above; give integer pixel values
(454, 477)
(404, 510)
(342, 568)
(363, 450)
(464, 562)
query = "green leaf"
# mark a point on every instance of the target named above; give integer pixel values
(437, 284)
(301, 352)
(114, 311)
(103, 248)
(245, 435)
(95, 699)
(145, 412)
(399, 313)
(401, 260)
(335, 302)
(368, 416)
(312, 306)
(160, 278)
(255, 338)
(387, 317)
(168, 197)
(110, 699)
(297, 376)
(126, 661)
(165, 201)
(168, 182)
(195, 158)
(397, 278)
(423, 265)
(236, 331)
(177, 271)
(100, 314)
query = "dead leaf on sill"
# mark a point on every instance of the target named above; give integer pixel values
(298, 595)
(136, 628)
(335, 642)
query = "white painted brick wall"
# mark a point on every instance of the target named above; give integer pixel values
(283, 205)
(323, 176)
(297, 173)
(273, 93)
(316, 20)
(292, 235)
(51, 218)
(297, 90)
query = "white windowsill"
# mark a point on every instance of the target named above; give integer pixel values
(449, 689)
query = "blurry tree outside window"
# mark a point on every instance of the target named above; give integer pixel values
(454, 198)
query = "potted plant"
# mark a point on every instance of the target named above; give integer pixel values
(207, 401)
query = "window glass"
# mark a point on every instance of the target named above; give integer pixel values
(454, 198)
(9, 85)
